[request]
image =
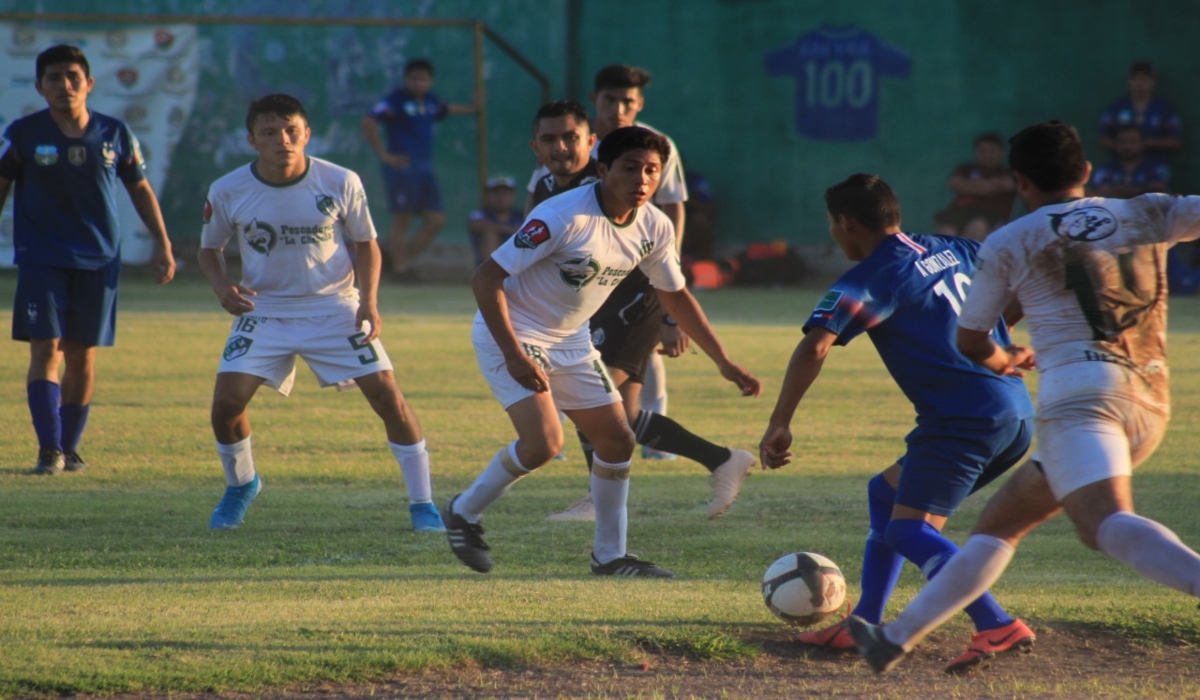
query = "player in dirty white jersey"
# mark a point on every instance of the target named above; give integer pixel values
(1090, 275)
(292, 215)
(536, 294)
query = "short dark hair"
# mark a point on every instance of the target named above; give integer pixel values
(419, 64)
(865, 198)
(619, 75)
(989, 137)
(1141, 68)
(561, 108)
(282, 106)
(633, 138)
(1050, 154)
(62, 53)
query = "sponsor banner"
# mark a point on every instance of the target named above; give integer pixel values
(145, 76)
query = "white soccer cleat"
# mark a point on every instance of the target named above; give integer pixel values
(727, 481)
(581, 511)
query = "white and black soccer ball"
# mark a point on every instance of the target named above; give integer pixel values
(803, 588)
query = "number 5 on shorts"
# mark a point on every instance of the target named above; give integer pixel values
(356, 342)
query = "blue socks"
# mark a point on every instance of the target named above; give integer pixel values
(923, 545)
(73, 418)
(43, 408)
(881, 563)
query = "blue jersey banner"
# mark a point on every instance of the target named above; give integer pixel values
(837, 72)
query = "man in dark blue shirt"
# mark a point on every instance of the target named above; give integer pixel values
(66, 162)
(408, 115)
(1132, 172)
(906, 294)
(1157, 118)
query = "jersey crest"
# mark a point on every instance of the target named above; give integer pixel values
(45, 155)
(77, 155)
(260, 236)
(579, 272)
(532, 235)
(1084, 224)
(325, 204)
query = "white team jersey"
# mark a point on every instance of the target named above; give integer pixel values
(290, 235)
(568, 257)
(1090, 275)
(672, 187)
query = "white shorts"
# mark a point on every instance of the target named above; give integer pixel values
(578, 379)
(1089, 439)
(331, 345)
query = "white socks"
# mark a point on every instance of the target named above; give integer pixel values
(1150, 549)
(414, 465)
(653, 396)
(500, 473)
(610, 492)
(238, 462)
(964, 578)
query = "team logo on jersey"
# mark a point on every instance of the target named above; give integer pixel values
(829, 301)
(108, 154)
(532, 235)
(325, 204)
(127, 76)
(45, 155)
(237, 346)
(77, 155)
(579, 272)
(260, 236)
(1085, 224)
(207, 211)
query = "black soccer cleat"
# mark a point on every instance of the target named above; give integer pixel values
(72, 462)
(50, 461)
(879, 653)
(466, 540)
(629, 565)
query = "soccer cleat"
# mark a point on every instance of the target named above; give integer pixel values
(231, 511)
(466, 540)
(727, 481)
(986, 645)
(832, 638)
(425, 518)
(50, 461)
(879, 653)
(73, 462)
(582, 511)
(629, 565)
(651, 453)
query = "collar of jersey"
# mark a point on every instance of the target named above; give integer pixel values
(600, 203)
(1064, 200)
(289, 183)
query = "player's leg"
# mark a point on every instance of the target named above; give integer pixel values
(43, 394)
(398, 242)
(429, 204)
(231, 427)
(652, 397)
(78, 383)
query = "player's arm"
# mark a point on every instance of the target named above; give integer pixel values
(1164, 143)
(803, 369)
(367, 266)
(487, 283)
(234, 298)
(5, 185)
(676, 213)
(682, 307)
(370, 129)
(978, 347)
(149, 212)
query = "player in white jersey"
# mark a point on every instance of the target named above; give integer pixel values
(1089, 274)
(536, 294)
(292, 215)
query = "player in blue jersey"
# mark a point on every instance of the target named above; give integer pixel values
(1157, 118)
(1132, 172)
(67, 162)
(408, 115)
(496, 221)
(906, 293)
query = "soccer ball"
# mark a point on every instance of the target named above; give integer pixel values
(803, 588)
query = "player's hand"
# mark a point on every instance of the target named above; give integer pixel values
(236, 299)
(368, 314)
(773, 449)
(395, 160)
(1020, 357)
(164, 263)
(527, 373)
(674, 341)
(745, 381)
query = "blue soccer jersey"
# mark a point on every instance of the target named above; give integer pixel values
(409, 122)
(65, 198)
(907, 295)
(1158, 121)
(1148, 171)
(837, 71)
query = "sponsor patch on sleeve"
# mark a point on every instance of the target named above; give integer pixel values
(829, 301)
(534, 233)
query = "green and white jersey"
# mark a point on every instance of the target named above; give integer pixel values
(290, 235)
(569, 256)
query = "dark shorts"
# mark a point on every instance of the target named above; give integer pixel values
(412, 192)
(59, 302)
(628, 327)
(945, 465)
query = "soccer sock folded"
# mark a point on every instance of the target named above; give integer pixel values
(881, 563)
(238, 461)
(500, 473)
(43, 408)
(73, 418)
(610, 492)
(1150, 549)
(414, 465)
(661, 433)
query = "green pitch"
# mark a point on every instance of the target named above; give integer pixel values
(110, 580)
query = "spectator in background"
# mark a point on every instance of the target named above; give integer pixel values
(985, 192)
(497, 220)
(1157, 118)
(408, 115)
(1131, 172)
(700, 212)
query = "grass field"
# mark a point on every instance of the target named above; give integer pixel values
(110, 581)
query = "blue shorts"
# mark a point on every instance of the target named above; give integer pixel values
(945, 465)
(60, 302)
(412, 191)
